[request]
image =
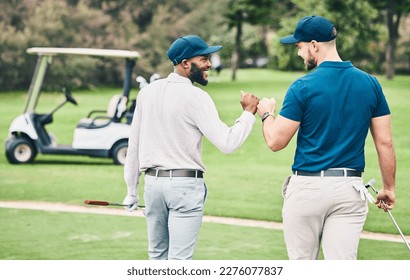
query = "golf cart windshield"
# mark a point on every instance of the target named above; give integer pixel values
(45, 57)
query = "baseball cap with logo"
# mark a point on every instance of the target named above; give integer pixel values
(189, 46)
(311, 28)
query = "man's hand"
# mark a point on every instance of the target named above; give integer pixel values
(266, 105)
(389, 199)
(249, 102)
(132, 202)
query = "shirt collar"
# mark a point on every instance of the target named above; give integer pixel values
(336, 64)
(176, 78)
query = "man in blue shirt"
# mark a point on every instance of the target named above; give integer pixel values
(333, 107)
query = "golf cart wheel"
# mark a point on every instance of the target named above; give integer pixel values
(20, 150)
(119, 153)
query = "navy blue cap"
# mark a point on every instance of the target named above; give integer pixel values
(311, 28)
(189, 46)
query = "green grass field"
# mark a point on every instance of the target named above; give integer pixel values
(245, 184)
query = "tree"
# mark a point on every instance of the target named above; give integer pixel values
(254, 12)
(50, 23)
(394, 11)
(148, 26)
(357, 26)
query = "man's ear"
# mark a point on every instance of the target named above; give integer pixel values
(315, 45)
(185, 64)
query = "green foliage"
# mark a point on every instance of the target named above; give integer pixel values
(50, 23)
(146, 26)
(149, 26)
(255, 12)
(401, 6)
(357, 33)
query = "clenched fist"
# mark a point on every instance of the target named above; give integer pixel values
(249, 102)
(266, 105)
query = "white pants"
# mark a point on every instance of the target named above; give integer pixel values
(325, 210)
(174, 209)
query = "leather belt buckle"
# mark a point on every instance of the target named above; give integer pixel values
(189, 173)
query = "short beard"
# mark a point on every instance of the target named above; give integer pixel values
(196, 75)
(310, 63)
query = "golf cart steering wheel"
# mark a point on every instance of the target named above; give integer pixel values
(68, 96)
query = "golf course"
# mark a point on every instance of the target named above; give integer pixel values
(245, 184)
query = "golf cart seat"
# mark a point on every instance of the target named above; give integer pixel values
(115, 111)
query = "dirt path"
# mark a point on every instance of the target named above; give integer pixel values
(61, 207)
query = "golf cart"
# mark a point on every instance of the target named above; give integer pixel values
(102, 134)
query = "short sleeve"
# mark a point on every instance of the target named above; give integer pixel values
(382, 108)
(293, 105)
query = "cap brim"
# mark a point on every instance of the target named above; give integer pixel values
(289, 40)
(209, 50)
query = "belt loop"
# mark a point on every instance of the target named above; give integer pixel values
(156, 174)
(344, 172)
(322, 173)
(196, 174)
(296, 173)
(170, 174)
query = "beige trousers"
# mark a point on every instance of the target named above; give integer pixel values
(322, 210)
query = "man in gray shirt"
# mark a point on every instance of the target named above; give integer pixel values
(170, 119)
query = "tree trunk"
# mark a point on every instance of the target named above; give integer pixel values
(393, 20)
(236, 50)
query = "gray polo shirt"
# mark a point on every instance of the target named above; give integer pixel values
(169, 121)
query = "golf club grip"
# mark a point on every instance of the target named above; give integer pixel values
(97, 202)
(371, 182)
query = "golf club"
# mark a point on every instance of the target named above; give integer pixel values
(370, 184)
(106, 203)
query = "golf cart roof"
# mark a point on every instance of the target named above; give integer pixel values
(46, 56)
(84, 51)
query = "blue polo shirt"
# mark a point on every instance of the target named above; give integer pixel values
(334, 104)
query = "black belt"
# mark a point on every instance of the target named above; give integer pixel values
(330, 173)
(175, 173)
